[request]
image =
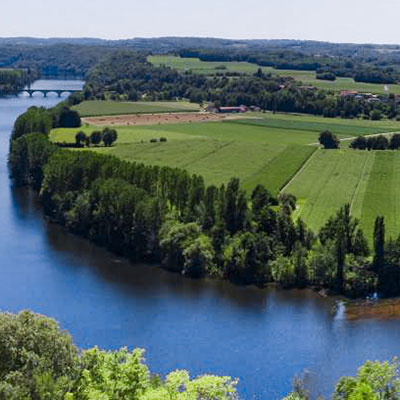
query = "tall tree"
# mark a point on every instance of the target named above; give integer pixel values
(379, 244)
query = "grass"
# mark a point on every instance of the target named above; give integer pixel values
(369, 181)
(263, 148)
(256, 153)
(95, 108)
(204, 67)
(307, 77)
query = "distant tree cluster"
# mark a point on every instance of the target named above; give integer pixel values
(108, 136)
(13, 80)
(326, 76)
(378, 142)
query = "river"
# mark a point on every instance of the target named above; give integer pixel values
(263, 337)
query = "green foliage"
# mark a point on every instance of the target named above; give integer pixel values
(109, 136)
(39, 361)
(329, 140)
(67, 118)
(95, 138)
(374, 381)
(34, 120)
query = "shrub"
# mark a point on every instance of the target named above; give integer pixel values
(163, 139)
(153, 140)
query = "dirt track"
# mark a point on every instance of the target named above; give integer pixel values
(156, 119)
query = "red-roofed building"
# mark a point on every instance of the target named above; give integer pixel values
(348, 93)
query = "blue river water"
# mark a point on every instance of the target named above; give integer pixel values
(263, 337)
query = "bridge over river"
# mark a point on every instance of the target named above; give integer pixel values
(45, 92)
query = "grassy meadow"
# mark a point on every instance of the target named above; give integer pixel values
(307, 77)
(94, 108)
(369, 181)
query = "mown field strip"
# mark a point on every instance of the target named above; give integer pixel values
(278, 171)
(304, 166)
(364, 178)
(382, 194)
(326, 183)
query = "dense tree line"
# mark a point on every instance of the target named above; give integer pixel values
(169, 216)
(54, 60)
(39, 361)
(377, 142)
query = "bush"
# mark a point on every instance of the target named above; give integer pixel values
(375, 115)
(153, 140)
(163, 139)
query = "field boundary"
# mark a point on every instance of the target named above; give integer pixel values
(299, 171)
(356, 190)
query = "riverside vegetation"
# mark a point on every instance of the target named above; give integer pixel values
(166, 215)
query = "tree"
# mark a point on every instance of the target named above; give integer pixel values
(199, 257)
(374, 380)
(375, 115)
(109, 136)
(394, 141)
(379, 244)
(329, 140)
(300, 265)
(95, 137)
(235, 207)
(340, 260)
(69, 118)
(360, 143)
(37, 359)
(80, 138)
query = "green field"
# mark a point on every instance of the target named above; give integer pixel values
(265, 148)
(369, 181)
(204, 67)
(95, 108)
(307, 77)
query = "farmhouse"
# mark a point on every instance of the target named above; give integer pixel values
(240, 109)
(348, 93)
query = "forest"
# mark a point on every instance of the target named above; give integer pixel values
(167, 216)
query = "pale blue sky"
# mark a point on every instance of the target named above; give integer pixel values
(372, 21)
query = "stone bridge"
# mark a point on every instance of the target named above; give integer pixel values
(45, 92)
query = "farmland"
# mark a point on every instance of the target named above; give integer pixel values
(264, 148)
(97, 108)
(369, 181)
(205, 67)
(307, 77)
(217, 150)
